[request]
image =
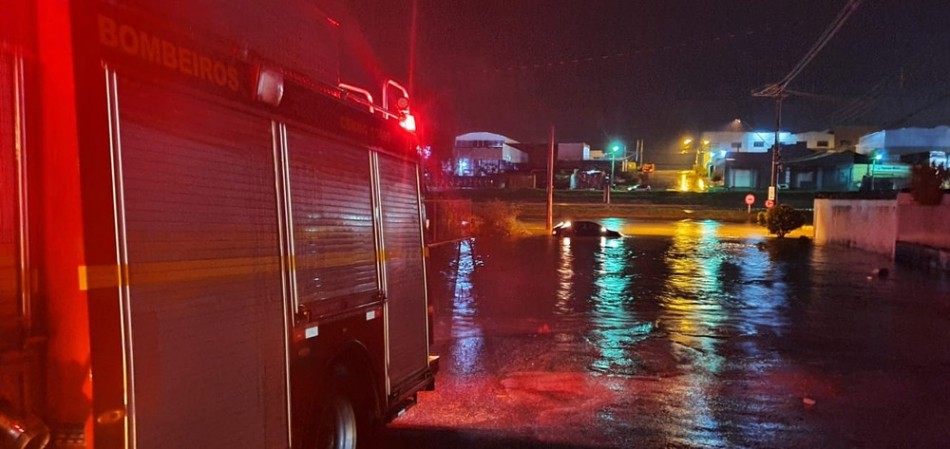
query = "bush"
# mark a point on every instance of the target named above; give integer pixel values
(496, 219)
(782, 219)
(926, 182)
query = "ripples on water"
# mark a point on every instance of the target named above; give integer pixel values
(697, 287)
(704, 333)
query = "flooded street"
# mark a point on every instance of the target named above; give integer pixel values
(681, 334)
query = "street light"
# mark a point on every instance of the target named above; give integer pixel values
(686, 143)
(699, 148)
(877, 156)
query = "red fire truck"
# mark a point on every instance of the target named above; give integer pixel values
(206, 240)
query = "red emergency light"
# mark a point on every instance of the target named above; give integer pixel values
(408, 123)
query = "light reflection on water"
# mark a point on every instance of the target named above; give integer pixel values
(677, 311)
(691, 316)
(616, 293)
(467, 337)
(613, 327)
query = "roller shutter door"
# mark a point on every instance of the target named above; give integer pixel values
(206, 313)
(405, 278)
(332, 218)
(742, 178)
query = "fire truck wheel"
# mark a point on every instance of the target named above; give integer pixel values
(337, 427)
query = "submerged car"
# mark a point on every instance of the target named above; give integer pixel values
(583, 229)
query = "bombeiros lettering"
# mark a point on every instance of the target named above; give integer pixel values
(161, 52)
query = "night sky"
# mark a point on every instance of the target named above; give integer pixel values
(600, 70)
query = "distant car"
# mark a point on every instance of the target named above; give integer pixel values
(583, 229)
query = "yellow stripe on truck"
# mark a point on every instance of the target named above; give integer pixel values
(108, 276)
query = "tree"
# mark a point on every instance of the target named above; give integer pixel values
(496, 219)
(782, 219)
(926, 182)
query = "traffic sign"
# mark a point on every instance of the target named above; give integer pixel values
(769, 204)
(750, 199)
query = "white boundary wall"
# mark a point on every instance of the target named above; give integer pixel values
(923, 225)
(870, 225)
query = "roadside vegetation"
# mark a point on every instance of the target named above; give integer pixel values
(512, 213)
(722, 199)
(529, 205)
(927, 183)
(781, 219)
(497, 219)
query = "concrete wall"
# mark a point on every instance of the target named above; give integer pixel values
(870, 225)
(923, 225)
(902, 229)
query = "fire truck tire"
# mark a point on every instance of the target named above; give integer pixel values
(347, 421)
(337, 427)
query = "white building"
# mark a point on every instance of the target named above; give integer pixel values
(817, 140)
(573, 151)
(910, 144)
(892, 152)
(762, 141)
(743, 141)
(484, 153)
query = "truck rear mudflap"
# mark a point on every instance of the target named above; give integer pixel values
(434, 369)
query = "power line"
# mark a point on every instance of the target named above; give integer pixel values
(777, 89)
(923, 108)
(860, 105)
(915, 64)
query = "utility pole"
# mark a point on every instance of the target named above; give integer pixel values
(614, 148)
(778, 90)
(778, 93)
(623, 167)
(640, 154)
(550, 201)
(776, 148)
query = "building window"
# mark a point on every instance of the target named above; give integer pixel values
(758, 144)
(823, 144)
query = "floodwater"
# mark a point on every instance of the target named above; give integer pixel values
(689, 334)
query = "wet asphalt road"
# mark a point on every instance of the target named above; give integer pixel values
(684, 335)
